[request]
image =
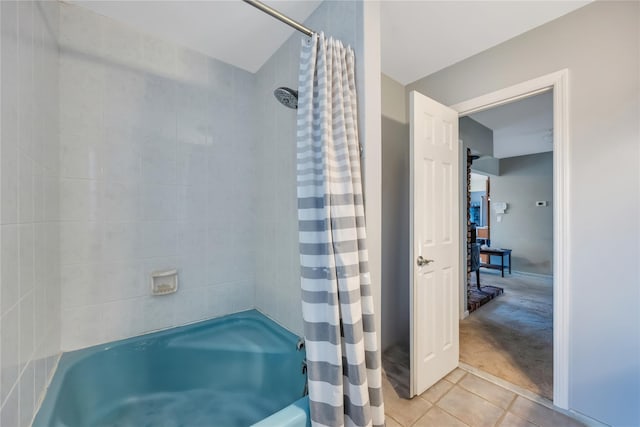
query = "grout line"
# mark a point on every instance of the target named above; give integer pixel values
(435, 404)
(518, 416)
(501, 418)
(389, 416)
(43, 392)
(506, 410)
(447, 412)
(485, 399)
(425, 400)
(453, 385)
(459, 379)
(510, 405)
(422, 416)
(526, 394)
(507, 385)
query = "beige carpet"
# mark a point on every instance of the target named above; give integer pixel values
(511, 337)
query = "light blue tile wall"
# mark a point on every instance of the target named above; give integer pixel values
(29, 231)
(277, 287)
(158, 172)
(123, 154)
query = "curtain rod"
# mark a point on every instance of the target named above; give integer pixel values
(279, 16)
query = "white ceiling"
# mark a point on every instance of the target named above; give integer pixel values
(422, 37)
(231, 31)
(521, 127)
(418, 37)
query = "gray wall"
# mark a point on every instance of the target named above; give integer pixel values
(395, 215)
(394, 101)
(475, 136)
(525, 228)
(600, 45)
(479, 139)
(486, 166)
(30, 279)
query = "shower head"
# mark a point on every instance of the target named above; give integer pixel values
(287, 97)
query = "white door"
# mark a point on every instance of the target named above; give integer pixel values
(435, 241)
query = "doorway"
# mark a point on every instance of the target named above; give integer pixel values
(509, 332)
(557, 82)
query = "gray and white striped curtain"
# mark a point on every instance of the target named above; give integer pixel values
(343, 358)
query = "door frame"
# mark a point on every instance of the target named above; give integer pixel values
(559, 83)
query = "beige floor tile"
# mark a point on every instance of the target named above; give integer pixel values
(470, 408)
(468, 398)
(491, 392)
(541, 415)
(390, 422)
(455, 375)
(511, 420)
(405, 411)
(436, 391)
(436, 417)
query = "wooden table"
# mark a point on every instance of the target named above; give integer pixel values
(497, 252)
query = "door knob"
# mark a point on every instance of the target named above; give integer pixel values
(422, 262)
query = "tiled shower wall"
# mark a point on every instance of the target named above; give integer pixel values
(278, 262)
(123, 154)
(158, 159)
(30, 284)
(278, 287)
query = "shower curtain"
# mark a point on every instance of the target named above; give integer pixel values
(343, 360)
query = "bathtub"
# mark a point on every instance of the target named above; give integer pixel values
(238, 370)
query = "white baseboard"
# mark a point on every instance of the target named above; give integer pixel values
(517, 272)
(526, 273)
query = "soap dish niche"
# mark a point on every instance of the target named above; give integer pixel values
(164, 282)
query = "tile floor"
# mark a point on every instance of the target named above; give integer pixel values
(464, 399)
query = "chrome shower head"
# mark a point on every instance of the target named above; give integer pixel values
(287, 97)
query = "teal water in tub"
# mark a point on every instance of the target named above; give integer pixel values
(234, 371)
